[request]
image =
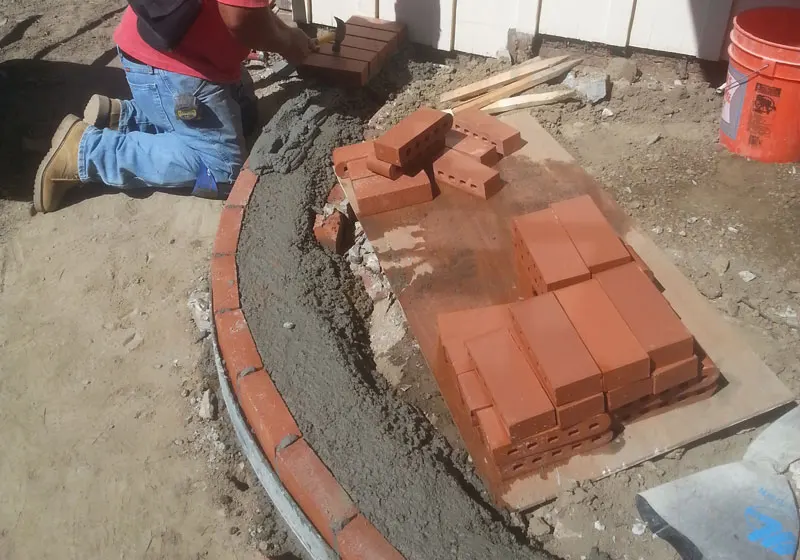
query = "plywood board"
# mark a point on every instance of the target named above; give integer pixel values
(692, 27)
(599, 21)
(323, 11)
(430, 22)
(455, 253)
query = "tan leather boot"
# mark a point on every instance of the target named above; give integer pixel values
(103, 112)
(58, 172)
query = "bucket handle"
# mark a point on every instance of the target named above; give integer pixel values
(746, 79)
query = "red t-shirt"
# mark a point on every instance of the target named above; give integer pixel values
(207, 51)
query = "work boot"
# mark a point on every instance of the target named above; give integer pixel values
(58, 172)
(103, 112)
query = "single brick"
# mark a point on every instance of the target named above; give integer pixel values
(388, 37)
(242, 188)
(516, 393)
(344, 71)
(473, 393)
(709, 369)
(313, 487)
(576, 412)
(415, 140)
(382, 168)
(457, 327)
(619, 397)
(478, 150)
(266, 413)
(651, 319)
(506, 139)
(236, 344)
(598, 244)
(546, 254)
(378, 194)
(360, 540)
(343, 155)
(494, 433)
(560, 359)
(641, 264)
(672, 375)
(379, 47)
(614, 348)
(395, 27)
(230, 225)
(329, 231)
(462, 172)
(224, 284)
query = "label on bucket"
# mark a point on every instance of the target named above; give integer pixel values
(733, 103)
(765, 104)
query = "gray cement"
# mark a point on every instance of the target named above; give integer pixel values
(401, 473)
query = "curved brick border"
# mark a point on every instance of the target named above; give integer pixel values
(309, 482)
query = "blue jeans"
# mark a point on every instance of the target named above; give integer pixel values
(153, 147)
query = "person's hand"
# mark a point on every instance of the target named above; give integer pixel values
(298, 46)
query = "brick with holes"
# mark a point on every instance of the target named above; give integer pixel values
(505, 138)
(484, 152)
(457, 170)
(416, 140)
(375, 194)
(343, 155)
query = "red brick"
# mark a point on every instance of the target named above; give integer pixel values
(479, 150)
(564, 365)
(672, 375)
(325, 503)
(336, 195)
(651, 319)
(493, 431)
(379, 47)
(236, 344)
(344, 71)
(619, 397)
(682, 395)
(463, 172)
(242, 188)
(521, 402)
(548, 258)
(576, 412)
(360, 540)
(416, 140)
(608, 338)
(224, 284)
(266, 413)
(598, 244)
(382, 168)
(395, 27)
(709, 368)
(388, 37)
(641, 264)
(473, 393)
(230, 225)
(506, 139)
(457, 327)
(377, 194)
(343, 155)
(545, 461)
(357, 169)
(329, 231)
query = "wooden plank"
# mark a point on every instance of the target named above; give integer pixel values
(456, 253)
(501, 79)
(527, 101)
(519, 86)
(598, 21)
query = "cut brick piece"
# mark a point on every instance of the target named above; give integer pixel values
(266, 413)
(343, 155)
(493, 432)
(396, 27)
(619, 397)
(709, 368)
(382, 168)
(224, 284)
(564, 365)
(360, 540)
(236, 344)
(506, 139)
(462, 172)
(576, 412)
(651, 319)
(329, 231)
(672, 375)
(378, 194)
(547, 257)
(313, 487)
(357, 169)
(598, 244)
(614, 348)
(473, 393)
(520, 400)
(479, 150)
(459, 326)
(388, 37)
(344, 71)
(417, 138)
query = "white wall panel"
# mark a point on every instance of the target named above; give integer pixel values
(599, 21)
(323, 11)
(528, 16)
(693, 27)
(482, 27)
(430, 22)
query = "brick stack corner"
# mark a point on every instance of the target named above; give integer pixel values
(321, 498)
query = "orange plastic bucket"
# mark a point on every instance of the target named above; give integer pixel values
(761, 112)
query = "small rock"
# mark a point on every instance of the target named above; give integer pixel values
(599, 526)
(538, 527)
(635, 204)
(185, 393)
(710, 286)
(606, 112)
(652, 139)
(622, 69)
(592, 86)
(563, 532)
(789, 316)
(682, 233)
(208, 406)
(288, 325)
(720, 265)
(234, 531)
(638, 528)
(676, 454)
(793, 287)
(200, 306)
(504, 55)
(747, 276)
(133, 341)
(692, 220)
(658, 230)
(733, 229)
(372, 263)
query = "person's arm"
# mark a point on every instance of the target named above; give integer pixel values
(261, 30)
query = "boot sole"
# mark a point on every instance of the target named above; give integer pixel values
(59, 138)
(97, 112)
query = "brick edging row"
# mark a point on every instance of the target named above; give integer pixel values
(309, 482)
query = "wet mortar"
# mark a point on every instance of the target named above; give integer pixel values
(403, 475)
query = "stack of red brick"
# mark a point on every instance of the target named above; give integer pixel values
(538, 381)
(367, 46)
(399, 168)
